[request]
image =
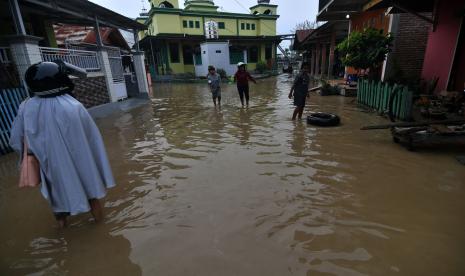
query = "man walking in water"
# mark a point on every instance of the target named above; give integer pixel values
(242, 78)
(299, 91)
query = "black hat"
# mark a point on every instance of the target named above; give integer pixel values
(47, 79)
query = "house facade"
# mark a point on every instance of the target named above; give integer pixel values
(174, 36)
(28, 37)
(410, 33)
(443, 56)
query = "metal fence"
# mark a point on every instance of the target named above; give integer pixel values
(5, 55)
(116, 65)
(85, 59)
(10, 99)
(378, 95)
(8, 74)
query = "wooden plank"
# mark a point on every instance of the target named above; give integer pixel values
(415, 124)
(370, 93)
(409, 105)
(379, 93)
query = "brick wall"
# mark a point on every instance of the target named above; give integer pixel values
(91, 91)
(410, 45)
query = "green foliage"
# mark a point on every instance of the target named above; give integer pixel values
(366, 49)
(261, 67)
(222, 73)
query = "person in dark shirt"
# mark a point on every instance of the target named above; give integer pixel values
(299, 91)
(242, 78)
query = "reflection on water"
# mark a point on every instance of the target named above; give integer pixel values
(234, 191)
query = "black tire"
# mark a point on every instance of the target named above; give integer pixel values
(323, 119)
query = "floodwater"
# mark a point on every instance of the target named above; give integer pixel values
(203, 191)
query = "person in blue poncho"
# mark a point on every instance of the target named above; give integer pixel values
(74, 169)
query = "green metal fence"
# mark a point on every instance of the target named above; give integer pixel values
(10, 99)
(378, 95)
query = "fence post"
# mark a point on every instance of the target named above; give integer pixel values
(106, 70)
(141, 74)
(25, 52)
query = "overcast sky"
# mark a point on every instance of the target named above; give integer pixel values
(290, 14)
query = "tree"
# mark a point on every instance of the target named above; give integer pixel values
(365, 50)
(305, 25)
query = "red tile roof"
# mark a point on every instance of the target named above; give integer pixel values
(83, 34)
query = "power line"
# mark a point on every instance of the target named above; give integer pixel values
(248, 11)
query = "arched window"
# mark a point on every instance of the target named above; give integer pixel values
(255, 12)
(268, 12)
(166, 4)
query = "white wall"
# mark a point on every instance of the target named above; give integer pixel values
(216, 54)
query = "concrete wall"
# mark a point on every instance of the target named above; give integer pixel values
(442, 43)
(91, 91)
(216, 54)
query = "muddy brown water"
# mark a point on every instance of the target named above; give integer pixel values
(203, 191)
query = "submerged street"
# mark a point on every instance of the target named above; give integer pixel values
(232, 191)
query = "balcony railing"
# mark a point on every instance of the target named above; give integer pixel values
(84, 59)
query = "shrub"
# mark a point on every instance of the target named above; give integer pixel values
(366, 49)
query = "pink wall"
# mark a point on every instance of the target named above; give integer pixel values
(442, 43)
(460, 70)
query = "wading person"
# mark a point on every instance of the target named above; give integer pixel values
(214, 81)
(299, 91)
(60, 133)
(242, 78)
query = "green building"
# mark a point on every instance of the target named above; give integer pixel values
(174, 37)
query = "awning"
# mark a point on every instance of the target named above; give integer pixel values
(339, 9)
(325, 32)
(418, 6)
(79, 12)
